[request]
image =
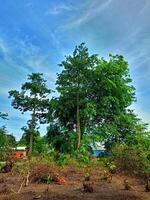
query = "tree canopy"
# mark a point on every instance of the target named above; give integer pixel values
(33, 97)
(3, 115)
(95, 95)
(93, 103)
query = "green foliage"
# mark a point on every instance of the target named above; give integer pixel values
(72, 85)
(46, 178)
(23, 167)
(3, 115)
(62, 159)
(2, 164)
(82, 155)
(43, 172)
(83, 160)
(7, 142)
(92, 106)
(60, 138)
(87, 174)
(94, 98)
(25, 139)
(136, 156)
(33, 98)
(40, 146)
(110, 164)
(6, 139)
(33, 94)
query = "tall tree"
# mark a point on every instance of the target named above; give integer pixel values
(72, 81)
(94, 95)
(33, 98)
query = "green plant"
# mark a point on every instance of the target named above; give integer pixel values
(83, 160)
(62, 159)
(132, 158)
(49, 178)
(87, 174)
(23, 167)
(46, 178)
(112, 167)
(43, 173)
(2, 164)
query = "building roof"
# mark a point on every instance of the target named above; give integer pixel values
(21, 148)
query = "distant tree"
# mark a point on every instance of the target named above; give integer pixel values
(41, 146)
(32, 98)
(7, 142)
(25, 139)
(3, 136)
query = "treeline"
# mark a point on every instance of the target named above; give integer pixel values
(93, 105)
(7, 142)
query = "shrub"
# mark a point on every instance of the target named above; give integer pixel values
(131, 158)
(42, 173)
(62, 159)
(83, 160)
(23, 167)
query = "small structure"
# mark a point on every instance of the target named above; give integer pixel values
(98, 149)
(20, 152)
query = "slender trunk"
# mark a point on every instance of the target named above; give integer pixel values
(78, 123)
(31, 133)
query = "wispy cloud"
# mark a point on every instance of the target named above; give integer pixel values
(138, 51)
(90, 11)
(58, 9)
(142, 113)
(20, 59)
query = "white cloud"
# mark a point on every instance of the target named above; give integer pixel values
(20, 59)
(59, 9)
(90, 11)
(141, 113)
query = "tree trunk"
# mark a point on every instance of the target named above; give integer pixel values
(31, 134)
(78, 123)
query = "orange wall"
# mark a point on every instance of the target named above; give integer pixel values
(19, 154)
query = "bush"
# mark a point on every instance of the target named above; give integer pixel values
(42, 173)
(108, 161)
(131, 158)
(2, 164)
(23, 167)
(62, 159)
(82, 155)
(83, 160)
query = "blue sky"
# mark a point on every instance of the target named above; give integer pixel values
(35, 35)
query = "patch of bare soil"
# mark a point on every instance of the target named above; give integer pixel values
(102, 188)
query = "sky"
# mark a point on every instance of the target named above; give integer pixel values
(35, 35)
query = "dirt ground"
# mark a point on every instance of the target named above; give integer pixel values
(103, 190)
